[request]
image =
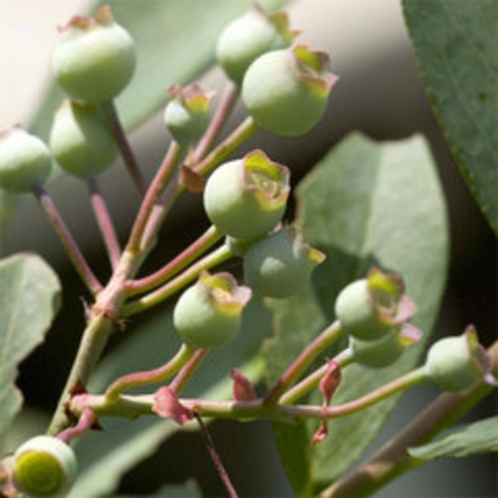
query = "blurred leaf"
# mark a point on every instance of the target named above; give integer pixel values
(29, 300)
(104, 457)
(364, 204)
(474, 439)
(456, 45)
(175, 42)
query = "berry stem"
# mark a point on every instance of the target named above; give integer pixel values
(110, 111)
(85, 422)
(105, 223)
(218, 120)
(240, 135)
(215, 258)
(331, 334)
(202, 244)
(152, 197)
(208, 441)
(147, 377)
(393, 459)
(69, 243)
(185, 374)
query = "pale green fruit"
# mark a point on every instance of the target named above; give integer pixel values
(95, 59)
(24, 160)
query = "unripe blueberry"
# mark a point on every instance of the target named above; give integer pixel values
(246, 198)
(208, 314)
(457, 363)
(24, 160)
(248, 37)
(81, 140)
(286, 91)
(44, 466)
(280, 264)
(95, 59)
(369, 308)
(186, 115)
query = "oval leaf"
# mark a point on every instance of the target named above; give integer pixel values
(364, 204)
(29, 300)
(456, 47)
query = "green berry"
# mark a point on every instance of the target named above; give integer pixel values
(246, 198)
(95, 59)
(378, 353)
(280, 264)
(248, 37)
(24, 160)
(81, 140)
(457, 363)
(44, 466)
(286, 91)
(186, 115)
(208, 314)
(369, 308)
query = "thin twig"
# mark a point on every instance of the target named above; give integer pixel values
(84, 424)
(185, 374)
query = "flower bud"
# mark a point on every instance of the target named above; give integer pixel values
(370, 308)
(44, 466)
(95, 59)
(186, 116)
(280, 264)
(248, 37)
(24, 160)
(246, 198)
(208, 314)
(81, 140)
(286, 91)
(457, 363)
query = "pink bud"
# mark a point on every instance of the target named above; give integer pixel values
(243, 389)
(330, 381)
(167, 405)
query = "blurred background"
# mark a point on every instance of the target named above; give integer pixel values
(380, 94)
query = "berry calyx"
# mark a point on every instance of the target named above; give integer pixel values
(208, 314)
(457, 363)
(44, 466)
(370, 308)
(286, 91)
(186, 115)
(246, 198)
(248, 37)
(81, 140)
(95, 59)
(280, 264)
(24, 160)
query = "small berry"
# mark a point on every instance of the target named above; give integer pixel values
(280, 264)
(370, 308)
(457, 363)
(24, 160)
(81, 141)
(44, 466)
(246, 198)
(186, 115)
(95, 59)
(208, 314)
(248, 37)
(286, 91)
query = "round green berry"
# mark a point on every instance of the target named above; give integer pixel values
(81, 140)
(95, 59)
(457, 363)
(286, 91)
(280, 264)
(24, 160)
(208, 314)
(246, 198)
(248, 37)
(44, 466)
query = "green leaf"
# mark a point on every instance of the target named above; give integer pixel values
(175, 42)
(474, 439)
(29, 300)
(457, 50)
(104, 457)
(364, 204)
